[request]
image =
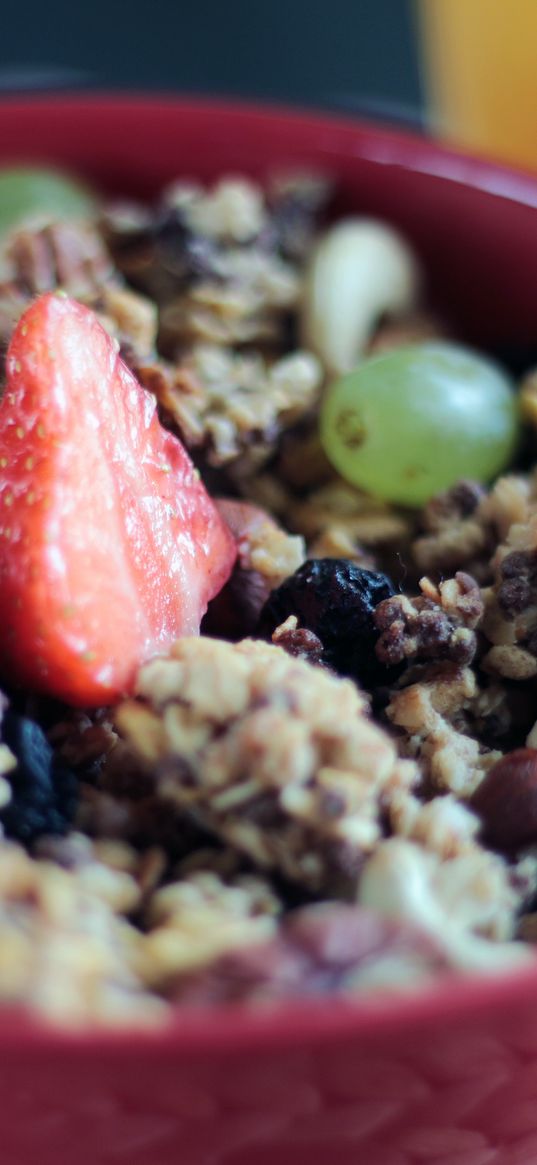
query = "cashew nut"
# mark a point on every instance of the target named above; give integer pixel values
(359, 271)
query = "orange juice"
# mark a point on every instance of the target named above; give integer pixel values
(481, 74)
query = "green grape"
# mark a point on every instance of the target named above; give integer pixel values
(410, 423)
(31, 194)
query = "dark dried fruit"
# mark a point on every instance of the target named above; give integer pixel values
(506, 800)
(44, 792)
(184, 254)
(296, 204)
(336, 600)
(234, 612)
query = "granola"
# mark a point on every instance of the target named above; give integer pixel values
(270, 754)
(67, 948)
(250, 826)
(232, 405)
(440, 624)
(433, 714)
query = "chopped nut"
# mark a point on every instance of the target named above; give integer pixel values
(266, 555)
(511, 662)
(232, 211)
(437, 625)
(298, 641)
(443, 825)
(67, 255)
(71, 256)
(335, 542)
(262, 545)
(506, 800)
(360, 270)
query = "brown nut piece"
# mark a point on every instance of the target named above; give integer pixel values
(266, 554)
(506, 800)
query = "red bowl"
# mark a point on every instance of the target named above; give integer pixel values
(446, 1077)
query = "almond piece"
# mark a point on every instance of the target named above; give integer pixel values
(506, 800)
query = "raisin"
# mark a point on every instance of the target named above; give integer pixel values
(336, 599)
(296, 204)
(184, 254)
(44, 793)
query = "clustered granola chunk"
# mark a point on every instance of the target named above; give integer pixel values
(192, 922)
(461, 528)
(440, 624)
(67, 948)
(433, 714)
(70, 948)
(272, 755)
(471, 640)
(503, 544)
(232, 405)
(280, 761)
(199, 293)
(222, 262)
(224, 265)
(454, 533)
(510, 623)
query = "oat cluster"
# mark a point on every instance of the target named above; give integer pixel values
(272, 755)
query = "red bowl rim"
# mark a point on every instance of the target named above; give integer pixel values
(292, 1024)
(379, 142)
(327, 1019)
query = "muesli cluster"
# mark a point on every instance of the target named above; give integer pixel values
(334, 788)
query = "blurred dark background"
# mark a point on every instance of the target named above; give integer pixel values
(354, 55)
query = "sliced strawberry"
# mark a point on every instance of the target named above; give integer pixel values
(110, 546)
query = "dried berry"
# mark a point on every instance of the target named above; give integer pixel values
(184, 254)
(335, 599)
(43, 791)
(506, 800)
(296, 208)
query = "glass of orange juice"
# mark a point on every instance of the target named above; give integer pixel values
(480, 60)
